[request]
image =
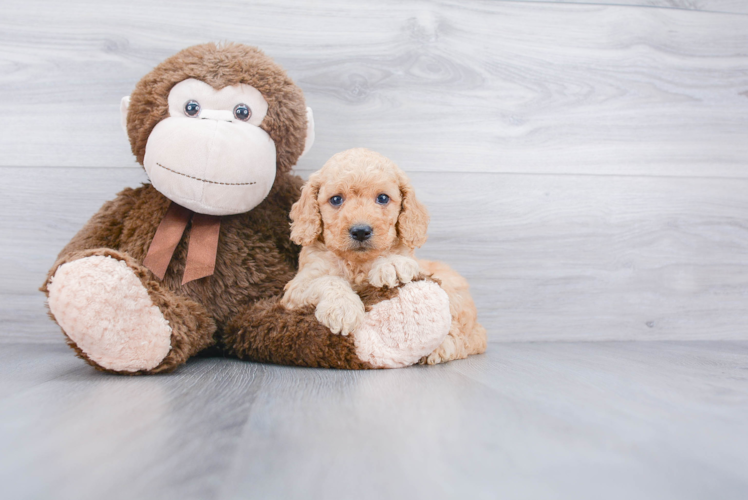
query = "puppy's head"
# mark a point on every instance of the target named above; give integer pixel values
(360, 204)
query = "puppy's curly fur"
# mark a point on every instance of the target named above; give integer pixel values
(359, 223)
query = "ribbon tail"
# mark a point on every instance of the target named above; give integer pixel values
(203, 247)
(166, 239)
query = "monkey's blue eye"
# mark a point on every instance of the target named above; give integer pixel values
(336, 200)
(383, 199)
(192, 108)
(242, 112)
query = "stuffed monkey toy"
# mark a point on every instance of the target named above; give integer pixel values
(197, 259)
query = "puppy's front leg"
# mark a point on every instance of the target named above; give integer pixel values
(390, 270)
(339, 307)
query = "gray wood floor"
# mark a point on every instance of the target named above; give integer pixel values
(614, 420)
(586, 167)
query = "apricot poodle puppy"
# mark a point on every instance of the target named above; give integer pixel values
(359, 222)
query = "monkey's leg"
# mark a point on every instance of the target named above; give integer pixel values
(401, 326)
(120, 320)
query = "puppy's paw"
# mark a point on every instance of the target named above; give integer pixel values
(447, 351)
(290, 300)
(393, 270)
(341, 313)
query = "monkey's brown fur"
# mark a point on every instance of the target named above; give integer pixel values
(236, 309)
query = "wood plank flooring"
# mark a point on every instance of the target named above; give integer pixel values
(616, 420)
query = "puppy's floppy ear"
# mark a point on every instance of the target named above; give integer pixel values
(307, 221)
(413, 221)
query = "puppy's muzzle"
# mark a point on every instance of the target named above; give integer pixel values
(360, 232)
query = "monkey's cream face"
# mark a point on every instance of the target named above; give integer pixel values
(210, 154)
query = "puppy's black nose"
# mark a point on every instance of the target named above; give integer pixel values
(361, 233)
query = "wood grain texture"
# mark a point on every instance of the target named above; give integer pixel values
(40, 211)
(653, 420)
(595, 258)
(446, 86)
(548, 257)
(722, 6)
(177, 433)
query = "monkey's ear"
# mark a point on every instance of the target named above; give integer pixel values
(306, 225)
(124, 105)
(413, 221)
(309, 132)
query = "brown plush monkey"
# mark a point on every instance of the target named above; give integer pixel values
(198, 258)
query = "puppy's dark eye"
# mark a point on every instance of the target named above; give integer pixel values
(383, 199)
(336, 200)
(242, 112)
(192, 108)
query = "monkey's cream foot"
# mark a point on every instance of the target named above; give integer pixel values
(104, 308)
(400, 331)
(392, 270)
(341, 312)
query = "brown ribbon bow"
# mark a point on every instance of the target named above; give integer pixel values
(201, 250)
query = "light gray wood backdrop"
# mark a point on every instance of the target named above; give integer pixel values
(585, 164)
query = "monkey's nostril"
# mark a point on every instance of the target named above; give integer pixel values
(361, 233)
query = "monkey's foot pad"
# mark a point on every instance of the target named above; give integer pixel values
(104, 308)
(400, 331)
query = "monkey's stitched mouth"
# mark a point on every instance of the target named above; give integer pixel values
(206, 180)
